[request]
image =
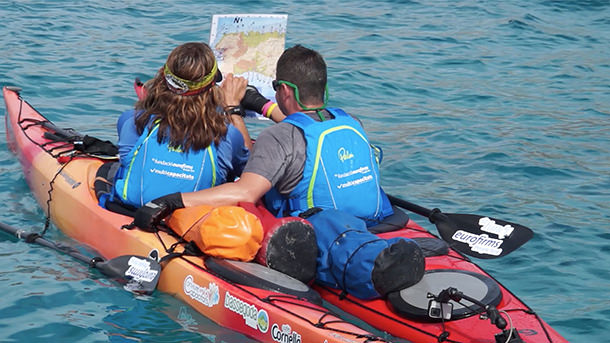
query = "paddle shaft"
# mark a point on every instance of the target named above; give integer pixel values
(27, 236)
(61, 132)
(410, 206)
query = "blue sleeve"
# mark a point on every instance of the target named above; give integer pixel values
(129, 114)
(128, 134)
(232, 154)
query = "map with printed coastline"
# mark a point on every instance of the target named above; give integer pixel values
(249, 45)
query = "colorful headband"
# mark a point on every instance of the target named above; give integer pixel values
(186, 87)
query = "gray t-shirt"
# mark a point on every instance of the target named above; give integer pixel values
(279, 155)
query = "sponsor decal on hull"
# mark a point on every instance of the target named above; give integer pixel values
(253, 317)
(208, 296)
(285, 334)
(69, 180)
(263, 321)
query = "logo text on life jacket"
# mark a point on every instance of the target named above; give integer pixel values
(344, 154)
(168, 168)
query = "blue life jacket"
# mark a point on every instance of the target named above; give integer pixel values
(155, 169)
(341, 171)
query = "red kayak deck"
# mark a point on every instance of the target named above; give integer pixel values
(377, 313)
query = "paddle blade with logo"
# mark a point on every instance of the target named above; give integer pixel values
(141, 274)
(471, 234)
(479, 236)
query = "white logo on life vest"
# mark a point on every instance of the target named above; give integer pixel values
(139, 270)
(490, 226)
(183, 166)
(183, 176)
(209, 296)
(344, 154)
(361, 170)
(482, 244)
(355, 182)
(286, 335)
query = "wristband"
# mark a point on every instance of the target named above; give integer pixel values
(268, 109)
(235, 110)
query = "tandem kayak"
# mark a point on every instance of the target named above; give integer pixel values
(57, 170)
(456, 301)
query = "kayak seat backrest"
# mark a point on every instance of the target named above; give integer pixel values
(396, 221)
(252, 274)
(121, 208)
(432, 246)
(103, 185)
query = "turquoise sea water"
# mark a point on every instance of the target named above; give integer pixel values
(486, 107)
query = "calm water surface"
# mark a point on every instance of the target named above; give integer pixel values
(487, 107)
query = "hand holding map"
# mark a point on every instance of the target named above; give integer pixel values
(249, 45)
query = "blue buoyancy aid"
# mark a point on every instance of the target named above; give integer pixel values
(341, 170)
(155, 169)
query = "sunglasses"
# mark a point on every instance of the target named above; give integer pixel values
(276, 84)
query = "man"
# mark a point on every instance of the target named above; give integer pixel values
(316, 158)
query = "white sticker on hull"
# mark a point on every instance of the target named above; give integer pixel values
(285, 335)
(253, 317)
(247, 311)
(208, 296)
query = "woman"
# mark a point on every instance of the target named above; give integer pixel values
(186, 134)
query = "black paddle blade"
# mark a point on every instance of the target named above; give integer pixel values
(479, 236)
(140, 274)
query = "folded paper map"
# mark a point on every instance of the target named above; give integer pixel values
(249, 45)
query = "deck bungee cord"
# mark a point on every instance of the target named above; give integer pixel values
(138, 274)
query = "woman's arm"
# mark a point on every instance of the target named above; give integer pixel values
(234, 89)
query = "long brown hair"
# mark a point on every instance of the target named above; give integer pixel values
(185, 121)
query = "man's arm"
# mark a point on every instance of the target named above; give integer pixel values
(249, 188)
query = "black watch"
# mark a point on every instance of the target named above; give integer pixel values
(238, 110)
